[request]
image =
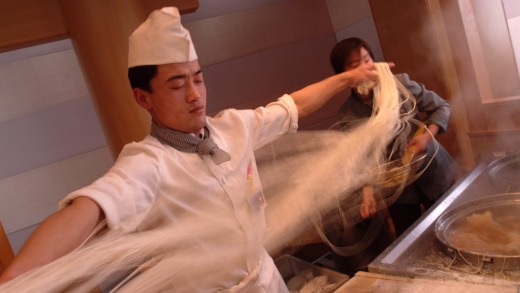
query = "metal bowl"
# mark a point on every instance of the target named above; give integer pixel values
(483, 232)
(504, 173)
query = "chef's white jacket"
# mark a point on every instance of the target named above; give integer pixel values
(152, 184)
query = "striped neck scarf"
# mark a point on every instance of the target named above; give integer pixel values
(188, 143)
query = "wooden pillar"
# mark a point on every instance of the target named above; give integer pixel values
(410, 36)
(6, 252)
(99, 31)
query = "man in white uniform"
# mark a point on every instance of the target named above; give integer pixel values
(190, 166)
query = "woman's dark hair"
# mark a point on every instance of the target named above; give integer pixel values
(140, 76)
(343, 49)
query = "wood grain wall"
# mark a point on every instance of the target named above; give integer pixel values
(26, 23)
(492, 127)
(6, 252)
(52, 141)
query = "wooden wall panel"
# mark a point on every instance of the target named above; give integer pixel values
(30, 22)
(503, 130)
(256, 80)
(236, 35)
(184, 6)
(57, 133)
(246, 88)
(39, 80)
(25, 23)
(273, 53)
(491, 50)
(408, 38)
(6, 252)
(492, 127)
(459, 125)
(469, 90)
(28, 198)
(346, 13)
(486, 143)
(212, 8)
(502, 116)
(100, 39)
(46, 120)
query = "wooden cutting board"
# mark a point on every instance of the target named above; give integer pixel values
(364, 282)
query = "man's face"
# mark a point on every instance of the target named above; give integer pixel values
(358, 58)
(178, 97)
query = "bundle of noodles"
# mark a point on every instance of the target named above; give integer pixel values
(329, 167)
(333, 164)
(487, 234)
(159, 257)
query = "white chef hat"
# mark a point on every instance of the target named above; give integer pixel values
(161, 39)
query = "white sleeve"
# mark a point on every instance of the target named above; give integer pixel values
(287, 102)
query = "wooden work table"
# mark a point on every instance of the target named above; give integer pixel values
(373, 282)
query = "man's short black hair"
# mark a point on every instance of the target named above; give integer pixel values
(343, 49)
(140, 76)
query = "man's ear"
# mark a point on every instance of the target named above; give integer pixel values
(142, 98)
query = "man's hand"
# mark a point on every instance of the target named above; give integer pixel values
(420, 142)
(368, 206)
(421, 138)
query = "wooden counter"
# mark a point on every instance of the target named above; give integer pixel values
(372, 282)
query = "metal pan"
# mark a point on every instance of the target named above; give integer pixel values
(483, 232)
(504, 173)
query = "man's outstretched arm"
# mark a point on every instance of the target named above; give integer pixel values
(59, 234)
